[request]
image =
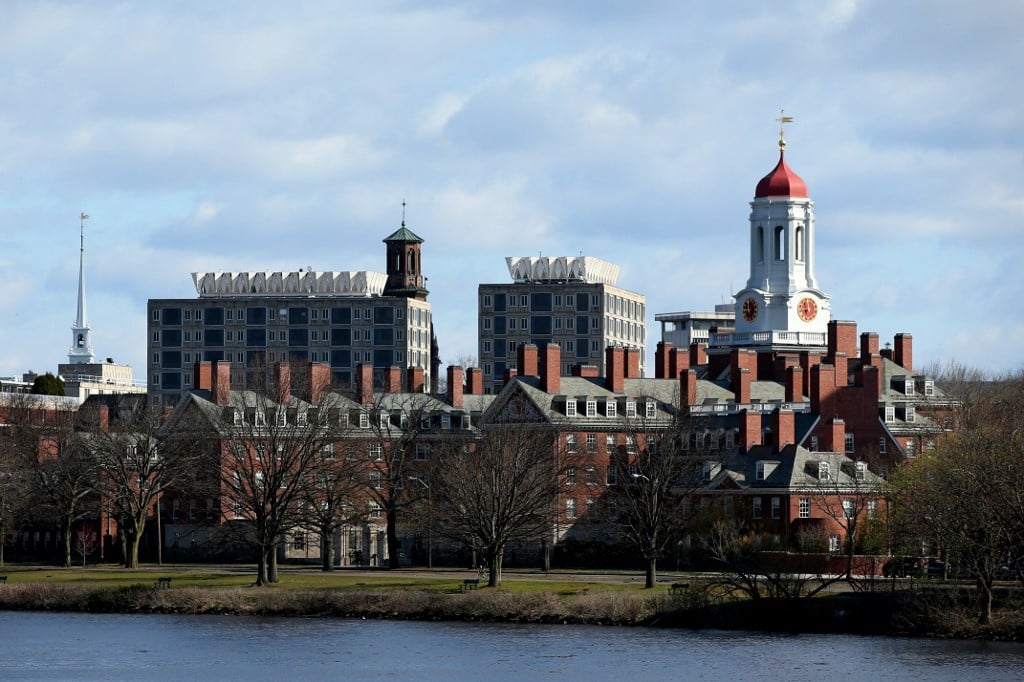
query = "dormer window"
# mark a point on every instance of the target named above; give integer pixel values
(259, 418)
(630, 408)
(610, 408)
(282, 417)
(591, 408)
(650, 409)
(384, 419)
(823, 471)
(570, 407)
(908, 386)
(890, 413)
(446, 421)
(929, 387)
(764, 469)
(364, 420)
(467, 422)
(860, 471)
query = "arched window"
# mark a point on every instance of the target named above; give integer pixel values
(798, 245)
(760, 245)
(780, 243)
(412, 261)
(81, 340)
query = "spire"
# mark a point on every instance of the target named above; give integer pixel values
(81, 341)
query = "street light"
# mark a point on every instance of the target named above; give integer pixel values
(430, 521)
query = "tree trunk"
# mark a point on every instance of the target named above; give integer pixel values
(261, 568)
(392, 533)
(67, 543)
(545, 551)
(494, 570)
(985, 587)
(272, 576)
(132, 551)
(652, 573)
(327, 551)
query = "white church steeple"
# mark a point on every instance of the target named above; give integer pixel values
(81, 333)
(782, 295)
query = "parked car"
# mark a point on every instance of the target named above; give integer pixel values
(938, 569)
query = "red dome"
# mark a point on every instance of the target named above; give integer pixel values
(781, 182)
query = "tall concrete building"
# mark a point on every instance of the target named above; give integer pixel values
(256, 319)
(571, 301)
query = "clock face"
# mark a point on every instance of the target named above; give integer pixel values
(807, 309)
(750, 310)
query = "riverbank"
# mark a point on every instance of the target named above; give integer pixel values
(901, 613)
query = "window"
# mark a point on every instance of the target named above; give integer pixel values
(376, 452)
(872, 509)
(776, 508)
(591, 442)
(805, 507)
(630, 408)
(299, 541)
(364, 420)
(823, 471)
(610, 408)
(650, 409)
(570, 475)
(910, 414)
(929, 387)
(833, 543)
(421, 452)
(570, 407)
(570, 508)
(375, 510)
(860, 470)
(487, 300)
(849, 443)
(848, 508)
(908, 386)
(760, 473)
(611, 443)
(591, 475)
(911, 448)
(570, 442)
(814, 444)
(591, 408)
(327, 451)
(755, 510)
(890, 413)
(375, 480)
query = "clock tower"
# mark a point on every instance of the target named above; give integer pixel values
(781, 304)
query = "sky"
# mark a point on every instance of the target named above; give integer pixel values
(253, 135)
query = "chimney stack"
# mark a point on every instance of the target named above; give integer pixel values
(221, 382)
(551, 369)
(615, 369)
(528, 361)
(364, 384)
(455, 387)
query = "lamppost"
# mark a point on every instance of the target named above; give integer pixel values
(430, 521)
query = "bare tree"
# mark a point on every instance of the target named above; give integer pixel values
(62, 477)
(655, 479)
(498, 490)
(265, 446)
(86, 542)
(14, 497)
(967, 496)
(138, 462)
(332, 498)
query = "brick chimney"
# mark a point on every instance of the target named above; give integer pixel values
(662, 353)
(474, 381)
(841, 362)
(615, 369)
(103, 419)
(528, 361)
(903, 351)
(510, 374)
(750, 430)
(416, 379)
(835, 436)
(698, 354)
(741, 386)
(807, 361)
(282, 383)
(393, 379)
(741, 359)
(318, 381)
(678, 362)
(455, 387)
(220, 384)
(784, 426)
(551, 369)
(842, 338)
(871, 379)
(364, 384)
(632, 363)
(868, 347)
(202, 376)
(823, 390)
(590, 371)
(795, 384)
(688, 388)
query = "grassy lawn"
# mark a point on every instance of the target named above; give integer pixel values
(311, 578)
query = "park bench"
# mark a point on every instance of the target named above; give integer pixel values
(162, 583)
(469, 584)
(679, 588)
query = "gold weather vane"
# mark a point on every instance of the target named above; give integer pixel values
(783, 120)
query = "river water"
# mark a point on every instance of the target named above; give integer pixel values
(61, 646)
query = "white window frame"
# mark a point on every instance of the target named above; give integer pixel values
(570, 407)
(804, 507)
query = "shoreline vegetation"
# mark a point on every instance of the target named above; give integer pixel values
(918, 611)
